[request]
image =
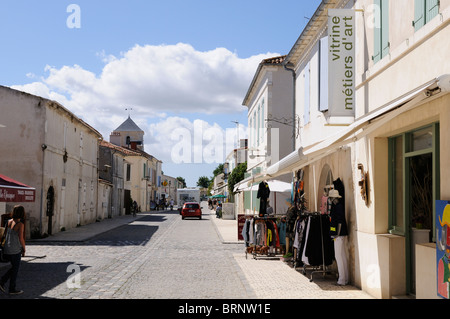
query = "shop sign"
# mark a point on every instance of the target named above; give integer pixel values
(241, 222)
(17, 195)
(341, 62)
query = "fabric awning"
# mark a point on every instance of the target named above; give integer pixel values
(275, 186)
(357, 130)
(14, 191)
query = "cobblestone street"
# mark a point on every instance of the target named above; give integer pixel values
(160, 256)
(155, 256)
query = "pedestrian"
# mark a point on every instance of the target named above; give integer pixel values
(134, 208)
(14, 249)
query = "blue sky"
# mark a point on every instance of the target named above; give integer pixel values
(178, 64)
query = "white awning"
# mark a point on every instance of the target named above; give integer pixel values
(275, 186)
(357, 130)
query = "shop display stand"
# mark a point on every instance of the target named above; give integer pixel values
(323, 269)
(266, 252)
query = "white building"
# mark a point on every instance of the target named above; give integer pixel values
(392, 126)
(142, 177)
(49, 148)
(273, 127)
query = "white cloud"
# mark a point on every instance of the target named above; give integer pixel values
(155, 81)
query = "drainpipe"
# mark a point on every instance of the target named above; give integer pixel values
(41, 209)
(294, 80)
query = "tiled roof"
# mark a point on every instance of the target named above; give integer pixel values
(275, 60)
(128, 126)
(123, 150)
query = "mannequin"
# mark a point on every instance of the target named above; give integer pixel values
(263, 195)
(339, 232)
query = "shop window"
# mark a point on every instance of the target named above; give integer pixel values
(413, 179)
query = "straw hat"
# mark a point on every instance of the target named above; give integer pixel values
(334, 194)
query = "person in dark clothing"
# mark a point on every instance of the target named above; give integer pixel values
(339, 231)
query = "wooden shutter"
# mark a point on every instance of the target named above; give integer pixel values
(384, 28)
(432, 9)
(307, 94)
(323, 75)
(419, 14)
(377, 35)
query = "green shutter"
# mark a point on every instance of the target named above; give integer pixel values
(377, 35)
(432, 9)
(384, 28)
(419, 14)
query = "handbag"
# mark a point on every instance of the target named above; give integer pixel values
(3, 231)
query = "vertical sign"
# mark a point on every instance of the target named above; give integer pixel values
(341, 57)
(443, 248)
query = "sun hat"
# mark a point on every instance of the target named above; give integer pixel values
(334, 194)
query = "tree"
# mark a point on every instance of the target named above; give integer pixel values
(236, 176)
(182, 180)
(218, 170)
(203, 181)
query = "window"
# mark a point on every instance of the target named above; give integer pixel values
(128, 172)
(250, 126)
(424, 11)
(258, 124)
(263, 118)
(413, 179)
(381, 28)
(254, 129)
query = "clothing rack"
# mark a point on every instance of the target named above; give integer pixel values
(264, 251)
(322, 268)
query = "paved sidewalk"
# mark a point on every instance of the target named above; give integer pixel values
(274, 279)
(269, 278)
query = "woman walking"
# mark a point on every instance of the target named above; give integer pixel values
(14, 249)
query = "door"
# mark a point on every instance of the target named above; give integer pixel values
(413, 190)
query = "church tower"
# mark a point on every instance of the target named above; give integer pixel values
(128, 135)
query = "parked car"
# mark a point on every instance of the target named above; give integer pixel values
(191, 209)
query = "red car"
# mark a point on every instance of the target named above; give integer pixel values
(191, 209)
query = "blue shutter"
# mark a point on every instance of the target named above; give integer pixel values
(307, 94)
(377, 34)
(432, 9)
(419, 14)
(323, 75)
(384, 28)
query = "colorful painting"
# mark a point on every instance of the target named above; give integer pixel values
(443, 248)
